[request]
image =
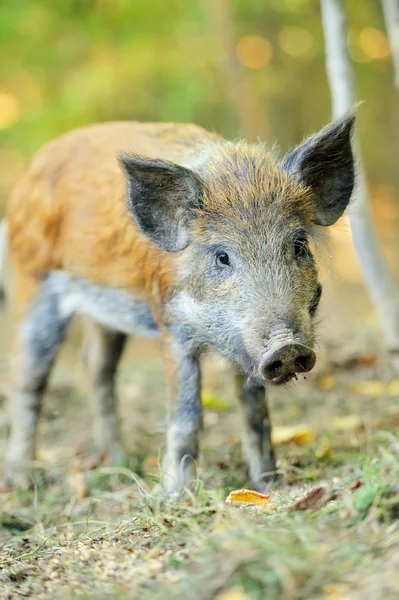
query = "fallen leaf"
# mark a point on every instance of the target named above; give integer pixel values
(347, 423)
(247, 497)
(371, 389)
(214, 402)
(334, 592)
(324, 451)
(303, 435)
(326, 383)
(355, 486)
(93, 462)
(393, 388)
(363, 360)
(153, 553)
(232, 594)
(355, 362)
(314, 500)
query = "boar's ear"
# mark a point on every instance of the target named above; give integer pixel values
(161, 196)
(325, 163)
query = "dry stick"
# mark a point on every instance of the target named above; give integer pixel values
(379, 281)
(391, 15)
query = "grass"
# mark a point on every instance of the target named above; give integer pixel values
(105, 532)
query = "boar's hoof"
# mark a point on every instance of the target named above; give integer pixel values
(172, 498)
(263, 485)
(266, 483)
(263, 488)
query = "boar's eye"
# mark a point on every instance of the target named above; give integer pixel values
(222, 259)
(301, 247)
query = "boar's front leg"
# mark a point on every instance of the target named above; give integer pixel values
(257, 444)
(184, 379)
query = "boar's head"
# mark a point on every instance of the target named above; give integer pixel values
(240, 222)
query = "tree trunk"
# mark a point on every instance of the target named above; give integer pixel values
(379, 281)
(391, 14)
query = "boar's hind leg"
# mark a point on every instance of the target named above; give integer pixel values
(257, 444)
(38, 333)
(101, 354)
(183, 373)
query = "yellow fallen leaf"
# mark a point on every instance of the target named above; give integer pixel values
(214, 402)
(324, 451)
(302, 435)
(333, 592)
(327, 383)
(372, 389)
(393, 388)
(247, 497)
(232, 594)
(347, 423)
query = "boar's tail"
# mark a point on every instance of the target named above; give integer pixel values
(3, 256)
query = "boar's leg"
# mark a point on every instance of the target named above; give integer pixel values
(184, 379)
(39, 331)
(101, 354)
(257, 444)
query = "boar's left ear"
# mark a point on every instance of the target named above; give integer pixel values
(161, 198)
(325, 163)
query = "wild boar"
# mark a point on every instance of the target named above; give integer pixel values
(168, 231)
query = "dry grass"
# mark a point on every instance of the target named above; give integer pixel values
(105, 533)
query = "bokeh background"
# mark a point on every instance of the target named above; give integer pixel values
(251, 68)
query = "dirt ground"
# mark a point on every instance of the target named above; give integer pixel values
(88, 530)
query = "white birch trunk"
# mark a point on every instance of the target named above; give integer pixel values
(391, 14)
(3, 256)
(379, 281)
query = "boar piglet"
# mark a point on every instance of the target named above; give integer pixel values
(169, 231)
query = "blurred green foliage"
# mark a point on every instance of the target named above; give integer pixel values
(240, 67)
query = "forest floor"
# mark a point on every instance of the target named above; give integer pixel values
(91, 531)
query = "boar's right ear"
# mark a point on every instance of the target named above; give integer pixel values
(324, 162)
(161, 197)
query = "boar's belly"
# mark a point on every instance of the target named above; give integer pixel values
(112, 307)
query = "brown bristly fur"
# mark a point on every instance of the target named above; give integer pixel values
(70, 210)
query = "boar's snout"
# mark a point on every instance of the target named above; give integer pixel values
(281, 364)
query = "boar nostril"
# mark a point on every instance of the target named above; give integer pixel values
(275, 367)
(303, 363)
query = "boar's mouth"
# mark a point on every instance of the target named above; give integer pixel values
(283, 379)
